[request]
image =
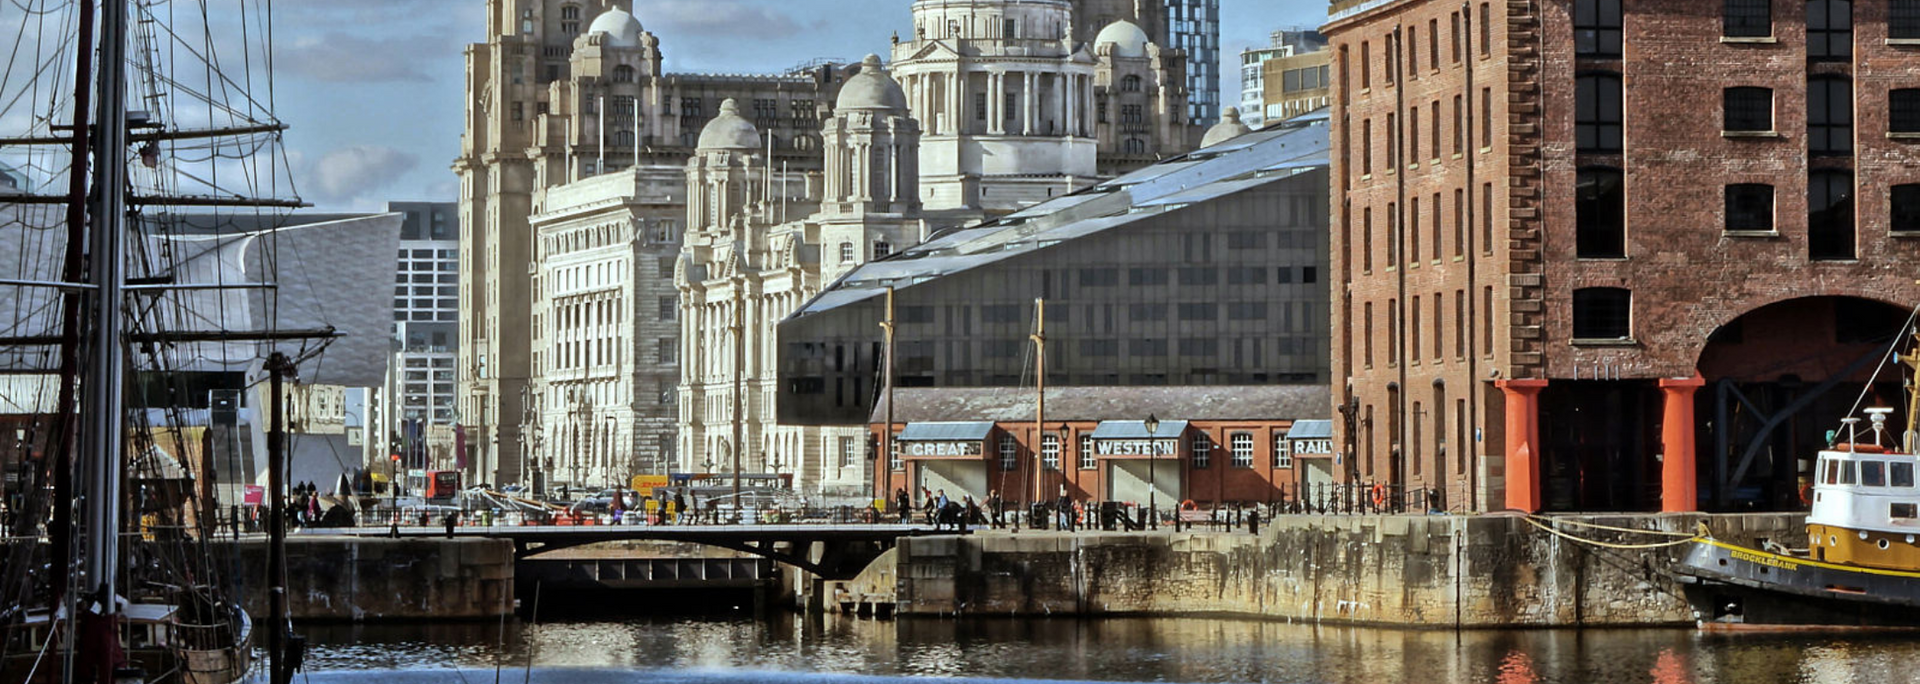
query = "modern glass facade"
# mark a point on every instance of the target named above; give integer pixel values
(1194, 26)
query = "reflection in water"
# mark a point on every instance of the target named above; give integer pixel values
(801, 650)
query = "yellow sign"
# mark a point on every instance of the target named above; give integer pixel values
(646, 483)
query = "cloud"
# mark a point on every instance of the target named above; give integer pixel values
(343, 58)
(732, 19)
(352, 175)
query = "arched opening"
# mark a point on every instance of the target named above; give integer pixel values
(1779, 378)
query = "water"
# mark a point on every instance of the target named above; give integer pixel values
(798, 650)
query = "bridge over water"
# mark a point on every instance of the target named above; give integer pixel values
(829, 551)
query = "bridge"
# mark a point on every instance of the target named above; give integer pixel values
(829, 551)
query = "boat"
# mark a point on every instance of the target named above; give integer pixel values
(112, 569)
(1860, 567)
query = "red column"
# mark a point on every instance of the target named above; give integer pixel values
(1679, 475)
(1523, 442)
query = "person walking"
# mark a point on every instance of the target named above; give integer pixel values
(1063, 509)
(902, 504)
(995, 507)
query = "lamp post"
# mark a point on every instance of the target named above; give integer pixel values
(613, 426)
(1152, 424)
(393, 487)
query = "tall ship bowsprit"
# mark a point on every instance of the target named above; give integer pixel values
(1860, 566)
(139, 134)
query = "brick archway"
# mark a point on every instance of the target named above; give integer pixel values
(1778, 377)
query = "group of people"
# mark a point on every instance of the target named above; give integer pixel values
(943, 513)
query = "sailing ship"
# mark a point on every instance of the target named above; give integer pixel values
(113, 569)
(1860, 567)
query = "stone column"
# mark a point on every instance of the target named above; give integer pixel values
(1523, 442)
(1026, 102)
(1679, 473)
(996, 103)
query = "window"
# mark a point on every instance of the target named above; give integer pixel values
(1900, 474)
(1903, 510)
(1596, 120)
(1050, 452)
(1130, 84)
(1829, 29)
(882, 249)
(1242, 443)
(1133, 146)
(1830, 215)
(624, 74)
(669, 350)
(846, 252)
(1750, 208)
(1009, 453)
(1282, 452)
(1873, 473)
(848, 453)
(1830, 116)
(980, 106)
(1905, 215)
(1367, 326)
(1202, 452)
(1596, 28)
(1602, 313)
(1747, 19)
(1087, 461)
(1903, 107)
(1600, 214)
(1366, 147)
(1903, 20)
(1099, 277)
(1748, 109)
(669, 308)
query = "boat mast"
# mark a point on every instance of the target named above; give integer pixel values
(104, 443)
(73, 319)
(279, 664)
(1040, 401)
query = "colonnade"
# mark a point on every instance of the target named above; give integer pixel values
(1018, 102)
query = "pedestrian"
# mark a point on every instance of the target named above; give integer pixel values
(679, 506)
(453, 519)
(970, 514)
(1063, 508)
(926, 503)
(902, 504)
(995, 507)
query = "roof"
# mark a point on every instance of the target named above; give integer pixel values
(1127, 38)
(1275, 154)
(1137, 429)
(729, 130)
(622, 28)
(1311, 429)
(872, 88)
(1170, 404)
(945, 432)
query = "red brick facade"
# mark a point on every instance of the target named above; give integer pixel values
(1458, 251)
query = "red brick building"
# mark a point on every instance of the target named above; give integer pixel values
(1211, 445)
(1617, 254)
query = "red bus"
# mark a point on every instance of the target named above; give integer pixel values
(442, 485)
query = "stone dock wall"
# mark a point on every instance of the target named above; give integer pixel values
(1485, 571)
(340, 579)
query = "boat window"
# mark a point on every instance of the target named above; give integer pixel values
(1829, 471)
(1903, 510)
(1900, 474)
(1873, 473)
(1846, 472)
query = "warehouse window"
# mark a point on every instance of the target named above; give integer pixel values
(1750, 207)
(1596, 28)
(1242, 443)
(1597, 112)
(1747, 19)
(1830, 215)
(1602, 313)
(1830, 116)
(1202, 452)
(1009, 453)
(1600, 214)
(1748, 109)
(1903, 115)
(1829, 29)
(1905, 216)
(1903, 19)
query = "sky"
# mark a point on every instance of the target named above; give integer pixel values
(374, 89)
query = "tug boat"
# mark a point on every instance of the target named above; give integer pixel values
(1861, 565)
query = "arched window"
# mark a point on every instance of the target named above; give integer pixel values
(623, 74)
(1603, 313)
(623, 138)
(1830, 215)
(803, 143)
(1600, 214)
(570, 12)
(1830, 115)
(1829, 29)
(1130, 84)
(1596, 118)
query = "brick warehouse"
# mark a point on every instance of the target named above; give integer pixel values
(1617, 254)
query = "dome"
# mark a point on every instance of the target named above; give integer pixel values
(1127, 38)
(1228, 129)
(872, 88)
(622, 29)
(729, 130)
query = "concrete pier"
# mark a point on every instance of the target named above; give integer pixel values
(1488, 571)
(371, 580)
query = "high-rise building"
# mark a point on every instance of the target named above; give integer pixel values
(1193, 26)
(417, 402)
(1616, 256)
(1285, 43)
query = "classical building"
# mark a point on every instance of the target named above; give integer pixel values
(743, 270)
(1558, 222)
(1016, 110)
(564, 90)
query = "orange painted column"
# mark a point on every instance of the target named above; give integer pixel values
(1679, 472)
(1523, 442)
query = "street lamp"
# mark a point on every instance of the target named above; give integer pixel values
(1152, 424)
(393, 487)
(613, 426)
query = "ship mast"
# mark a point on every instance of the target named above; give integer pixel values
(1910, 438)
(104, 443)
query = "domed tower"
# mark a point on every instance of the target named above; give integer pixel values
(872, 145)
(1006, 100)
(613, 76)
(720, 177)
(1229, 128)
(1140, 98)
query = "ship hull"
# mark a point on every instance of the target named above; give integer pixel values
(1734, 587)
